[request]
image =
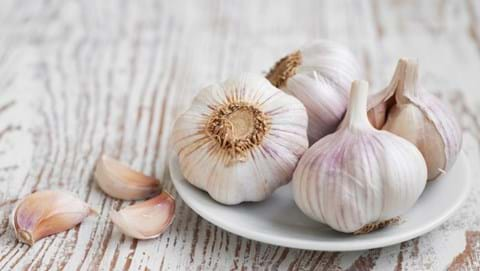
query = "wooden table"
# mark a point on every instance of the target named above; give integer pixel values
(82, 78)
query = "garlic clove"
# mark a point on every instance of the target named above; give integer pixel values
(359, 179)
(147, 219)
(319, 75)
(409, 122)
(241, 139)
(45, 213)
(379, 103)
(119, 181)
(416, 115)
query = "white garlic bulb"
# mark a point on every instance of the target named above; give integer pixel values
(359, 179)
(319, 75)
(406, 109)
(241, 139)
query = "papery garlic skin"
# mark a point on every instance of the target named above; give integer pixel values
(148, 219)
(358, 176)
(319, 75)
(418, 116)
(240, 140)
(119, 181)
(45, 213)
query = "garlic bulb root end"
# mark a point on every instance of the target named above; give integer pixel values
(237, 127)
(285, 68)
(377, 225)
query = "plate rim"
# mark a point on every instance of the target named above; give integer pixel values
(323, 245)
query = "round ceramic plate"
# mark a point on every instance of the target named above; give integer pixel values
(278, 221)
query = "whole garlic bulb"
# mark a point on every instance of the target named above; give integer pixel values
(319, 75)
(359, 178)
(406, 109)
(240, 140)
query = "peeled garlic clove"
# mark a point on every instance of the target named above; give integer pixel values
(418, 116)
(147, 219)
(119, 181)
(47, 212)
(240, 140)
(359, 178)
(319, 75)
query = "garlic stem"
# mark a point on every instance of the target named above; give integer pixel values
(356, 116)
(406, 80)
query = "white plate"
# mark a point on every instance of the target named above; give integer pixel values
(278, 221)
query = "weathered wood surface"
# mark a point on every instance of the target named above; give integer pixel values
(81, 78)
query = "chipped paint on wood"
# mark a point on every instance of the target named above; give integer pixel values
(469, 259)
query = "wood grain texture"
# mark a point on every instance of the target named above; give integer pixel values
(82, 78)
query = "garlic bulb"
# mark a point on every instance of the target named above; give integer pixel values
(47, 212)
(241, 139)
(406, 109)
(359, 179)
(147, 219)
(319, 75)
(119, 181)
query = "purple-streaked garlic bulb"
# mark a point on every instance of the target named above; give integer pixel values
(319, 75)
(406, 109)
(359, 179)
(241, 139)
